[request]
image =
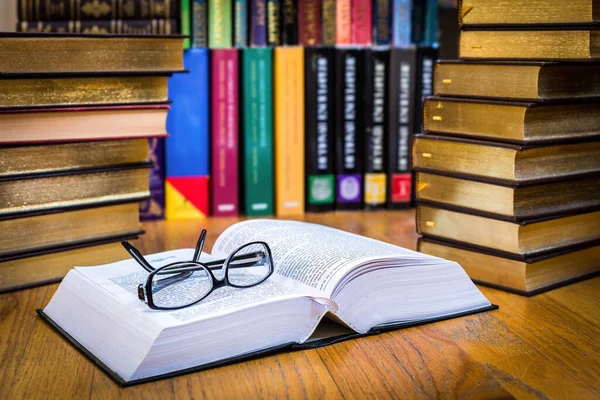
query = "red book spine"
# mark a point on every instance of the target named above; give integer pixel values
(224, 132)
(362, 22)
(309, 22)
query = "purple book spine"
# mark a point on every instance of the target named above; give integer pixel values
(258, 22)
(154, 208)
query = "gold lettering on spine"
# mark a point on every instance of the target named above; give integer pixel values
(219, 22)
(311, 22)
(329, 22)
(273, 25)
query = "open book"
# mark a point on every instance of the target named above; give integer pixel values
(362, 284)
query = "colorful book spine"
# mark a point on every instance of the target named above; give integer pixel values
(60, 10)
(187, 150)
(199, 23)
(430, 36)
(343, 17)
(185, 17)
(258, 22)
(219, 24)
(289, 22)
(400, 126)
(273, 22)
(224, 132)
(288, 73)
(402, 22)
(154, 208)
(418, 21)
(309, 22)
(362, 18)
(257, 156)
(319, 128)
(382, 22)
(349, 117)
(328, 15)
(375, 109)
(131, 27)
(240, 24)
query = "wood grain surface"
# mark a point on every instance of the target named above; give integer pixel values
(547, 346)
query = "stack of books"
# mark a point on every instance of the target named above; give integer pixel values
(75, 115)
(139, 17)
(509, 165)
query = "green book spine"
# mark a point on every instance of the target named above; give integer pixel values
(257, 163)
(220, 34)
(185, 23)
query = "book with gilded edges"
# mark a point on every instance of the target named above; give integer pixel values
(328, 8)
(136, 27)
(289, 22)
(309, 23)
(310, 306)
(273, 22)
(288, 99)
(257, 155)
(350, 64)
(376, 114)
(224, 132)
(319, 127)
(382, 22)
(154, 207)
(199, 23)
(400, 131)
(362, 22)
(220, 20)
(240, 23)
(343, 26)
(51, 10)
(187, 148)
(258, 22)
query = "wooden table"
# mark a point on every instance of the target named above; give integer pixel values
(545, 346)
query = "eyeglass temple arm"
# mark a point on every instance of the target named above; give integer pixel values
(137, 256)
(199, 246)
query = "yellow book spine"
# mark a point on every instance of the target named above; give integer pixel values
(289, 130)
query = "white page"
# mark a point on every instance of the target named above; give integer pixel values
(315, 255)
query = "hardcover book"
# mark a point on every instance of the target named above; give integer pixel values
(350, 75)
(382, 22)
(187, 151)
(257, 94)
(426, 57)
(289, 22)
(401, 23)
(288, 72)
(185, 16)
(35, 10)
(240, 23)
(430, 35)
(343, 26)
(132, 27)
(220, 35)
(400, 131)
(319, 127)
(307, 302)
(309, 23)
(273, 22)
(419, 9)
(224, 133)
(154, 207)
(258, 22)
(328, 17)
(362, 22)
(375, 108)
(199, 23)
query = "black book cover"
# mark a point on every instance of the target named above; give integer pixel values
(289, 22)
(402, 102)
(319, 128)
(375, 111)
(419, 8)
(350, 67)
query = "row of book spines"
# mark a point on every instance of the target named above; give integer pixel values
(241, 23)
(136, 27)
(61, 10)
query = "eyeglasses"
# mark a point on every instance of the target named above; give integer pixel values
(185, 283)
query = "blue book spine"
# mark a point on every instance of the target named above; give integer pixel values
(199, 23)
(401, 24)
(431, 24)
(258, 22)
(382, 22)
(240, 23)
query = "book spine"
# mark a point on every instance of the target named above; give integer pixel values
(240, 24)
(362, 17)
(187, 149)
(319, 128)
(288, 73)
(224, 132)
(382, 22)
(402, 22)
(289, 22)
(219, 24)
(141, 9)
(154, 208)
(273, 26)
(142, 27)
(258, 23)
(309, 22)
(328, 13)
(350, 65)
(418, 21)
(343, 16)
(61, 10)
(199, 23)
(257, 103)
(375, 109)
(400, 126)
(185, 16)
(430, 36)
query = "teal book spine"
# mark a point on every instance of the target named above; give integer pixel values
(240, 24)
(257, 103)
(220, 34)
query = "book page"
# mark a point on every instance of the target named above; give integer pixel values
(314, 255)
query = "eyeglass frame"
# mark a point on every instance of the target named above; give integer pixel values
(145, 290)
